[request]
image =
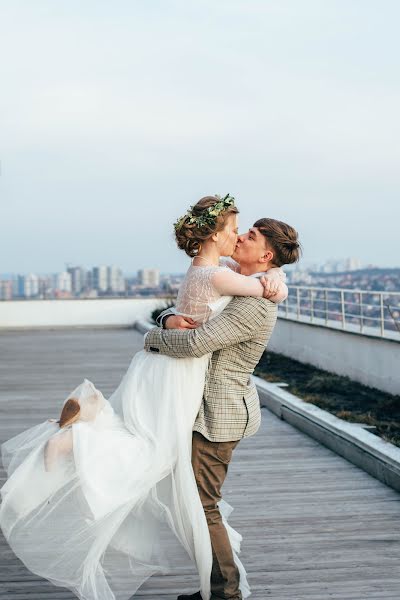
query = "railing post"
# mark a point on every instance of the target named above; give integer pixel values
(311, 305)
(326, 306)
(287, 306)
(343, 309)
(361, 312)
(382, 315)
(298, 303)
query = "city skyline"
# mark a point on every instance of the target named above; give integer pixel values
(81, 282)
(110, 282)
(105, 280)
(344, 263)
(110, 134)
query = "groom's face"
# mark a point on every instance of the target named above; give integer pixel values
(250, 247)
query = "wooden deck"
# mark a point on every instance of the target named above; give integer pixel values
(314, 526)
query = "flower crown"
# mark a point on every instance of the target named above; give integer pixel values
(209, 216)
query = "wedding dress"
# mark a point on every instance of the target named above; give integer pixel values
(101, 505)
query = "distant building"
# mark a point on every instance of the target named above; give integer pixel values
(78, 279)
(115, 280)
(6, 290)
(27, 286)
(100, 278)
(46, 283)
(332, 266)
(19, 286)
(63, 282)
(149, 278)
(352, 264)
(31, 285)
(89, 280)
(340, 265)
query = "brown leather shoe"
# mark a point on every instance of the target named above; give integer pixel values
(196, 596)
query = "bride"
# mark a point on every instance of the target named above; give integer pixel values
(106, 497)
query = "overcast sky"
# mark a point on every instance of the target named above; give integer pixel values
(116, 116)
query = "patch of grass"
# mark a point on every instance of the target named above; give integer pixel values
(336, 394)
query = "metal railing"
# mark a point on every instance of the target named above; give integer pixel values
(365, 311)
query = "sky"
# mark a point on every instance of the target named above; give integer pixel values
(115, 117)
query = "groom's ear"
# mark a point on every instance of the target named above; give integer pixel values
(268, 257)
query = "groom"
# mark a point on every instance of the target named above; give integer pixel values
(230, 409)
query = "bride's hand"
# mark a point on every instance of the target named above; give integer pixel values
(179, 322)
(271, 286)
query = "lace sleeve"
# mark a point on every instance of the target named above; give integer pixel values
(229, 283)
(198, 293)
(276, 273)
(204, 286)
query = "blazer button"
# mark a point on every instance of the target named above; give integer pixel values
(152, 349)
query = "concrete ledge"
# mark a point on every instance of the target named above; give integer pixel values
(101, 312)
(369, 452)
(360, 447)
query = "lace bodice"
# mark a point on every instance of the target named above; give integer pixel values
(206, 290)
(197, 297)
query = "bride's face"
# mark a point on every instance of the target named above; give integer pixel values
(227, 238)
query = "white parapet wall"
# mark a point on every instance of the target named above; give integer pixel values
(372, 361)
(118, 312)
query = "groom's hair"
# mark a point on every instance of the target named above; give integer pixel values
(282, 239)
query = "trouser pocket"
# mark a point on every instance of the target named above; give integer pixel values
(224, 451)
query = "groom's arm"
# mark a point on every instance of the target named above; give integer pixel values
(239, 322)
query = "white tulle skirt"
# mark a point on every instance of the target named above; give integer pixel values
(123, 504)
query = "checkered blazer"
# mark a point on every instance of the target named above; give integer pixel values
(236, 338)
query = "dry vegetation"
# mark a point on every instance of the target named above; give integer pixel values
(338, 395)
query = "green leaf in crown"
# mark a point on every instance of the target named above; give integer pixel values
(209, 216)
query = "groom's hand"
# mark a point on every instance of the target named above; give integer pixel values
(179, 322)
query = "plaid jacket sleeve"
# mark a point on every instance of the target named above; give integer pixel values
(237, 323)
(165, 313)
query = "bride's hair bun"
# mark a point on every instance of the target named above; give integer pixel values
(199, 223)
(282, 239)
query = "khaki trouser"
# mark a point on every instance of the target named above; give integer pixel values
(210, 465)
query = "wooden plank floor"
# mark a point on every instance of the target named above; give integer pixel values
(314, 526)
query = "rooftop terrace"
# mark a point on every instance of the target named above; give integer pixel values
(314, 526)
